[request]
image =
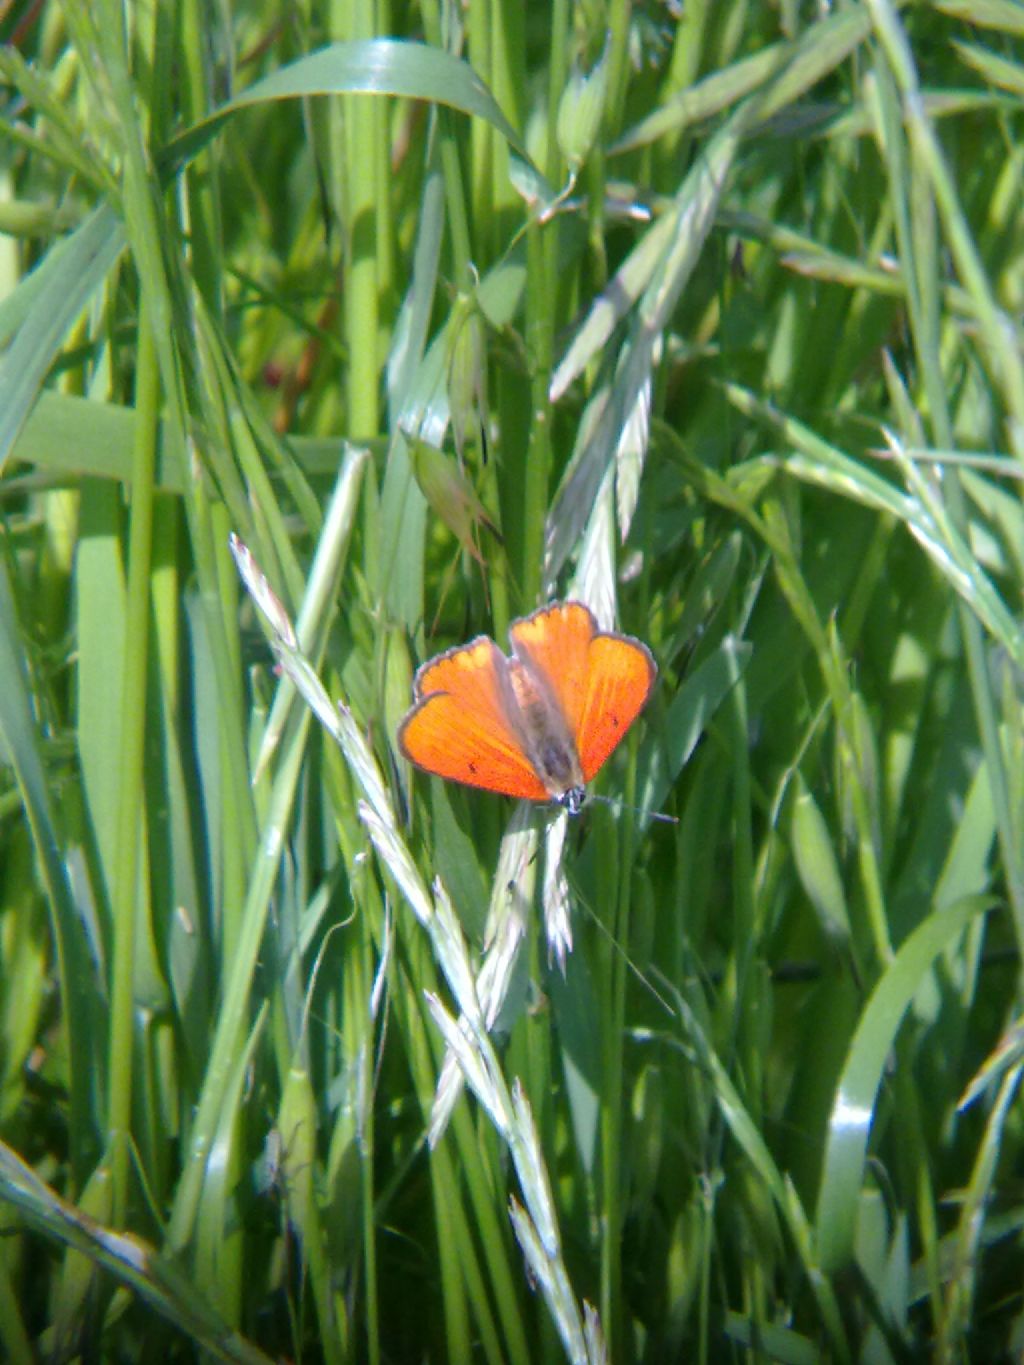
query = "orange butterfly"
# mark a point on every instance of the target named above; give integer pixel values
(538, 725)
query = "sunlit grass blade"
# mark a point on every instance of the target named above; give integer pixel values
(379, 66)
(856, 1096)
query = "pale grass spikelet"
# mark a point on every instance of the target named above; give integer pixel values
(933, 528)
(467, 1038)
(453, 956)
(499, 963)
(449, 945)
(578, 490)
(508, 915)
(491, 989)
(533, 1174)
(529, 1242)
(336, 718)
(550, 1277)
(449, 1087)
(460, 1044)
(364, 766)
(557, 924)
(451, 494)
(510, 1112)
(512, 892)
(499, 960)
(597, 1347)
(467, 368)
(511, 898)
(262, 594)
(396, 858)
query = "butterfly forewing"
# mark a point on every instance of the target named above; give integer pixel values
(459, 727)
(620, 675)
(468, 671)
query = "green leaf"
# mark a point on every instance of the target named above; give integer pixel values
(857, 1093)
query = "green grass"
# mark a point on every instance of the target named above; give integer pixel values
(724, 340)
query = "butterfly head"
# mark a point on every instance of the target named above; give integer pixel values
(573, 799)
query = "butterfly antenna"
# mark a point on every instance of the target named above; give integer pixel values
(618, 804)
(645, 979)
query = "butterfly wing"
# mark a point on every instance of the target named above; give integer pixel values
(555, 644)
(619, 678)
(600, 680)
(459, 727)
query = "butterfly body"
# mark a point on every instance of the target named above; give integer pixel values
(546, 739)
(537, 725)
